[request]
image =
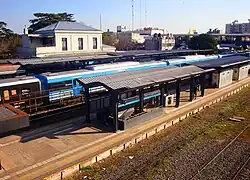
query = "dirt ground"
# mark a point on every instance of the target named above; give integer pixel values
(181, 150)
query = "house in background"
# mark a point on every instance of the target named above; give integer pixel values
(61, 38)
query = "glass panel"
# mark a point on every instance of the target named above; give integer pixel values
(60, 85)
(6, 95)
(25, 92)
(13, 92)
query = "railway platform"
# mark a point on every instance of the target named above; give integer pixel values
(41, 152)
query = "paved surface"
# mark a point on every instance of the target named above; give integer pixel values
(33, 154)
(27, 149)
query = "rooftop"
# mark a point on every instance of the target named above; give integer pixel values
(90, 57)
(59, 59)
(154, 52)
(140, 78)
(67, 26)
(222, 62)
(5, 112)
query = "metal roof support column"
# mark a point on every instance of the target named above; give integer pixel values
(162, 97)
(141, 97)
(87, 102)
(166, 88)
(178, 93)
(114, 109)
(192, 89)
(203, 84)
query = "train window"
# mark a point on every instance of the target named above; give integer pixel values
(68, 83)
(13, 92)
(60, 85)
(6, 95)
(25, 92)
(123, 96)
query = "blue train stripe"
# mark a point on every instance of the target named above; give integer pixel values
(137, 100)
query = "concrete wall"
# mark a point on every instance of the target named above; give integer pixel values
(140, 119)
(36, 49)
(72, 41)
(226, 78)
(222, 78)
(240, 73)
(126, 37)
(15, 122)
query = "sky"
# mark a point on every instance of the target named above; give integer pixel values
(177, 16)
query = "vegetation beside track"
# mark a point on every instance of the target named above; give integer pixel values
(181, 150)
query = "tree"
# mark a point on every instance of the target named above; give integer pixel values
(108, 39)
(8, 41)
(42, 20)
(202, 42)
(4, 31)
(213, 31)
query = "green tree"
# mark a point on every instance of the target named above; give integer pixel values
(202, 42)
(42, 20)
(4, 31)
(108, 39)
(8, 42)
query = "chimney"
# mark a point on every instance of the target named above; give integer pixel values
(25, 30)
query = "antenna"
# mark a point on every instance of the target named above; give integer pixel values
(146, 13)
(100, 21)
(133, 15)
(140, 15)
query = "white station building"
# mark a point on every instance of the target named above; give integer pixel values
(61, 38)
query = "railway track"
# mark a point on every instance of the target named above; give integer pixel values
(240, 170)
(219, 154)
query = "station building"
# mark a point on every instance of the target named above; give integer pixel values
(61, 38)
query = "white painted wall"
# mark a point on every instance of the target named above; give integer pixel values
(240, 73)
(72, 41)
(222, 78)
(243, 72)
(35, 47)
(226, 78)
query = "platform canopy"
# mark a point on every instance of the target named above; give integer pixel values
(59, 59)
(125, 55)
(142, 78)
(222, 62)
(154, 52)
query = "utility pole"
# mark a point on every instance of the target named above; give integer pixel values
(140, 15)
(101, 22)
(133, 15)
(146, 13)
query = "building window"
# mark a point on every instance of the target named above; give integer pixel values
(94, 43)
(64, 44)
(80, 43)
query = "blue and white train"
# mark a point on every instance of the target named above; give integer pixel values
(63, 84)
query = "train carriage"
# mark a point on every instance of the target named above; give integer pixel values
(21, 92)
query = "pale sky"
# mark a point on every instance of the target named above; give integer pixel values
(177, 16)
